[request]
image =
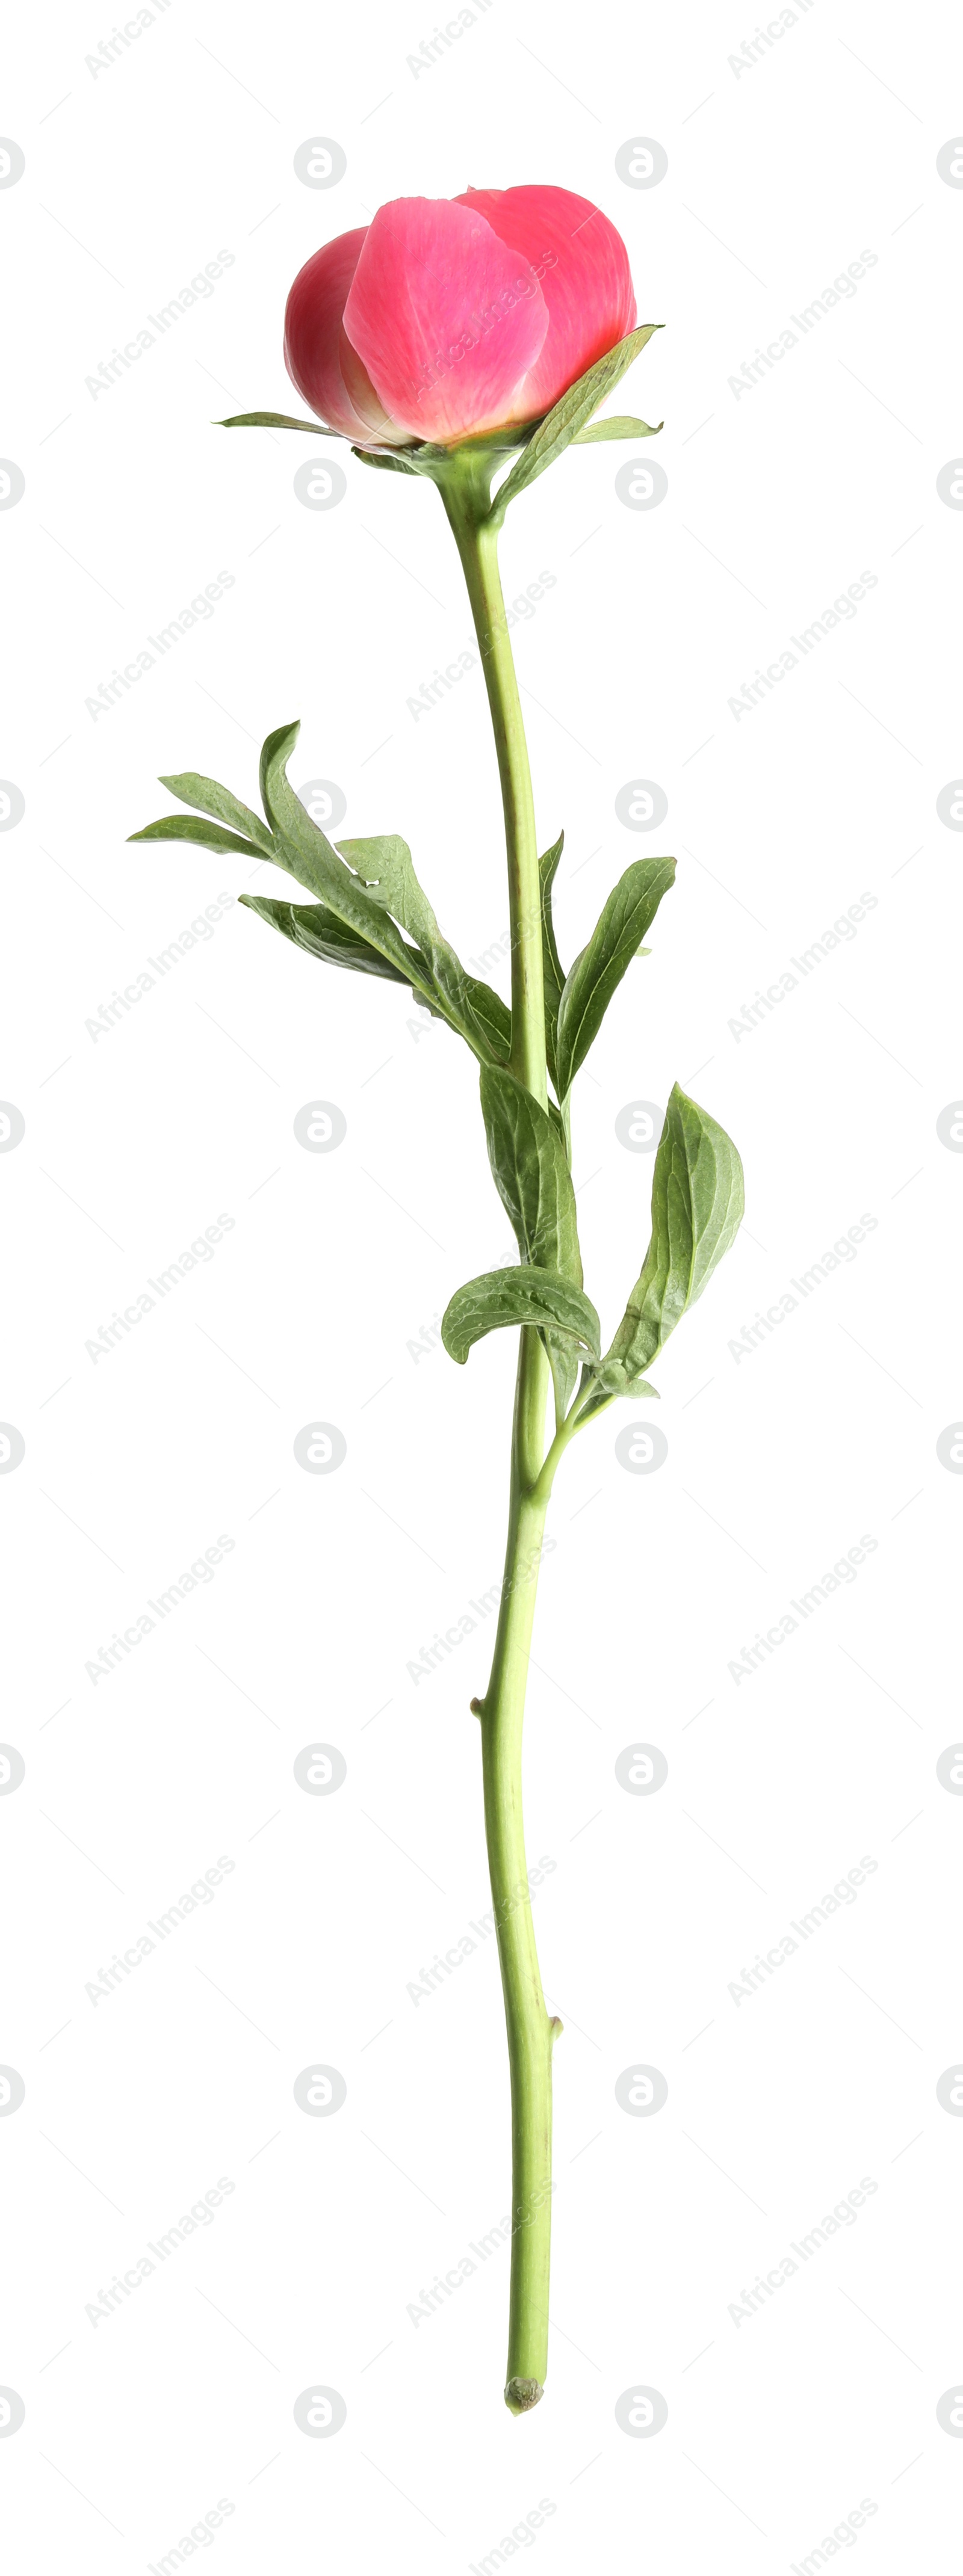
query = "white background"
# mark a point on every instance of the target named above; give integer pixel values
(135, 1141)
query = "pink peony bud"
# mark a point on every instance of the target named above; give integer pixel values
(452, 316)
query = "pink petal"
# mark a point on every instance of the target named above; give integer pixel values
(446, 320)
(582, 266)
(313, 342)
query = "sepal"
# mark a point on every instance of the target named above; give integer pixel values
(570, 415)
(616, 427)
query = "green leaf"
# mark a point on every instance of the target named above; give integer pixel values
(301, 847)
(365, 900)
(526, 1150)
(547, 872)
(564, 1367)
(569, 415)
(522, 1296)
(492, 1016)
(597, 972)
(697, 1205)
(276, 420)
(210, 798)
(616, 427)
(553, 976)
(534, 1183)
(531, 1174)
(385, 867)
(312, 926)
(273, 780)
(194, 827)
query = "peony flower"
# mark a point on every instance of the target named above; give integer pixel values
(446, 318)
(435, 338)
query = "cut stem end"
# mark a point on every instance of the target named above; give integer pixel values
(522, 2394)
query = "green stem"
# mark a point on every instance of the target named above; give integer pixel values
(531, 2033)
(464, 490)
